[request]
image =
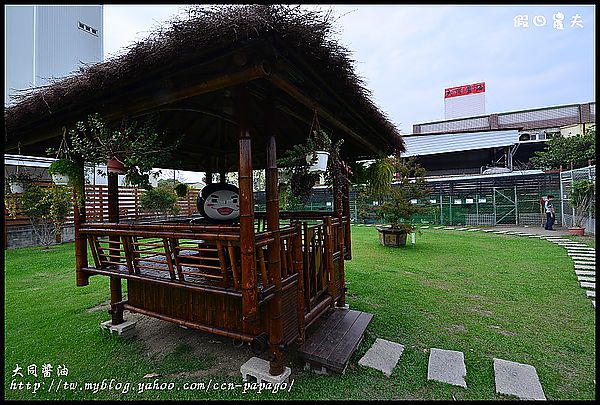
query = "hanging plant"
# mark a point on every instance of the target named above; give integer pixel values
(65, 171)
(137, 145)
(18, 182)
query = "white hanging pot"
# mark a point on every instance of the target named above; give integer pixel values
(60, 179)
(320, 165)
(16, 187)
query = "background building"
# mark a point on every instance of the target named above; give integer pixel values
(45, 42)
(469, 145)
(464, 101)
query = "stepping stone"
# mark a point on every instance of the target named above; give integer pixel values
(585, 273)
(582, 254)
(590, 293)
(583, 267)
(585, 278)
(461, 229)
(500, 231)
(587, 259)
(585, 284)
(583, 248)
(528, 235)
(382, 356)
(447, 366)
(570, 245)
(535, 236)
(449, 228)
(487, 230)
(437, 227)
(585, 262)
(472, 230)
(594, 303)
(425, 227)
(517, 379)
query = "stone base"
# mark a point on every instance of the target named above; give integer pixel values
(259, 369)
(346, 306)
(125, 329)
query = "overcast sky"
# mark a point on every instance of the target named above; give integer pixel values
(408, 55)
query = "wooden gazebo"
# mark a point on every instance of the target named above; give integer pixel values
(241, 84)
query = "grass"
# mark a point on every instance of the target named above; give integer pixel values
(486, 295)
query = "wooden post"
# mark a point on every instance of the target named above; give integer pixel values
(116, 294)
(248, 260)
(276, 322)
(299, 269)
(348, 240)
(81, 259)
(328, 227)
(339, 191)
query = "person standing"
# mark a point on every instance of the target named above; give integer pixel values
(549, 208)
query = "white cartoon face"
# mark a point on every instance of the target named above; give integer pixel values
(222, 205)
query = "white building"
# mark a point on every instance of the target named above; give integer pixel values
(45, 42)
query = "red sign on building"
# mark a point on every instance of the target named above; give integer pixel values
(464, 90)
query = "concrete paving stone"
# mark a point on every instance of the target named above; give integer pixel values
(517, 379)
(487, 230)
(585, 284)
(584, 251)
(585, 262)
(584, 248)
(382, 356)
(449, 229)
(570, 245)
(461, 229)
(425, 227)
(447, 366)
(590, 293)
(535, 236)
(500, 231)
(594, 303)
(589, 255)
(589, 261)
(586, 278)
(585, 273)
(584, 267)
(259, 369)
(437, 227)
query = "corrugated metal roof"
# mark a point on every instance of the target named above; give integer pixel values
(419, 145)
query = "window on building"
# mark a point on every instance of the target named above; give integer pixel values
(87, 28)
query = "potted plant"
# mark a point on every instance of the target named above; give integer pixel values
(296, 181)
(18, 182)
(318, 145)
(581, 198)
(134, 148)
(64, 171)
(397, 209)
(181, 189)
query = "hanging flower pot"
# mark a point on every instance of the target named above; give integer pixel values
(60, 179)
(115, 166)
(16, 187)
(317, 161)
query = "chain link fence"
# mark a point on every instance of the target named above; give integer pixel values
(566, 181)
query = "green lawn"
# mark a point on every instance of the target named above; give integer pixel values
(509, 297)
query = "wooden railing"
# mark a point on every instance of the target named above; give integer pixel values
(209, 255)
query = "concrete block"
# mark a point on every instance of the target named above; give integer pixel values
(586, 278)
(447, 366)
(585, 273)
(594, 303)
(472, 230)
(449, 228)
(584, 267)
(382, 356)
(585, 284)
(590, 293)
(425, 227)
(461, 229)
(259, 369)
(437, 227)
(125, 329)
(517, 379)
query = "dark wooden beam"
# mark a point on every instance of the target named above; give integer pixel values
(298, 95)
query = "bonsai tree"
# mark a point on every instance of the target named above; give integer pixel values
(397, 208)
(135, 144)
(581, 198)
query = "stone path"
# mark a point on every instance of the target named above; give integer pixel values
(382, 356)
(447, 366)
(517, 379)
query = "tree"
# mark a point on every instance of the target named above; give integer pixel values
(566, 151)
(47, 209)
(160, 200)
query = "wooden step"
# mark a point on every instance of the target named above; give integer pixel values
(335, 337)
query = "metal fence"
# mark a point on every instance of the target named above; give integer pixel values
(566, 180)
(487, 200)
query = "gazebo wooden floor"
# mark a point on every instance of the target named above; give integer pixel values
(335, 338)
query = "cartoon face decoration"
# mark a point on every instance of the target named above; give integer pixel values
(219, 202)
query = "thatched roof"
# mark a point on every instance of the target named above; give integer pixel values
(211, 43)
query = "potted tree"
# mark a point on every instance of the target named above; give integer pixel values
(581, 198)
(398, 208)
